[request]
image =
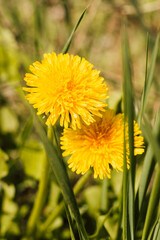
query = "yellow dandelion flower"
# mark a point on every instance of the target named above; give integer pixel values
(99, 145)
(67, 86)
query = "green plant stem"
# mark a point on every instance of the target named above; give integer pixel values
(60, 207)
(104, 194)
(119, 230)
(1, 202)
(78, 186)
(41, 195)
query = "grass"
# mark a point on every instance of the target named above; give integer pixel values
(41, 198)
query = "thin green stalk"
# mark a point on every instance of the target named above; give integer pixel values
(125, 187)
(148, 167)
(129, 111)
(104, 194)
(67, 45)
(71, 223)
(154, 198)
(139, 120)
(148, 78)
(127, 118)
(81, 182)
(60, 207)
(41, 195)
(1, 202)
(147, 131)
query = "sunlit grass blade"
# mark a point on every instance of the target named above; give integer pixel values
(129, 117)
(153, 203)
(67, 45)
(147, 168)
(147, 132)
(155, 232)
(148, 80)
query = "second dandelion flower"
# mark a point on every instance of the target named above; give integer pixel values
(100, 145)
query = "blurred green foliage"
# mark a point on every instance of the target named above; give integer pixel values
(28, 29)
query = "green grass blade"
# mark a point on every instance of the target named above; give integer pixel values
(153, 203)
(155, 232)
(125, 173)
(129, 117)
(147, 167)
(125, 188)
(71, 225)
(61, 175)
(67, 45)
(146, 72)
(148, 80)
(147, 131)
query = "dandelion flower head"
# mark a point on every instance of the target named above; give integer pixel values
(100, 145)
(67, 86)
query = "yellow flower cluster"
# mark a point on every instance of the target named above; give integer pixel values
(68, 87)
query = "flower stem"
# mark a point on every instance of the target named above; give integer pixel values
(104, 196)
(41, 195)
(60, 207)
